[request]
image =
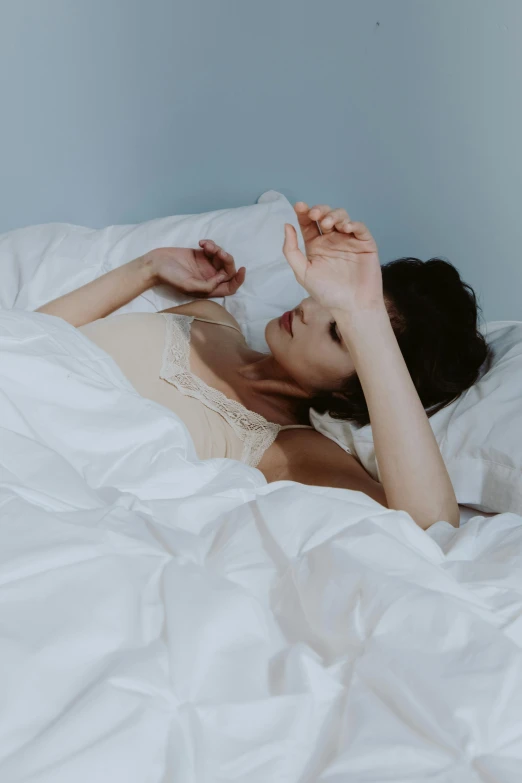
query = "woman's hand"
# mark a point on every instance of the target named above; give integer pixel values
(341, 268)
(209, 271)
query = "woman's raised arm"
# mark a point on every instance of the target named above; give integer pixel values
(342, 272)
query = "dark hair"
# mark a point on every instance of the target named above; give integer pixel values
(434, 316)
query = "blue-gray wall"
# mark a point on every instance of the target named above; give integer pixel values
(407, 112)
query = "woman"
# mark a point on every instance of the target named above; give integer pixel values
(335, 351)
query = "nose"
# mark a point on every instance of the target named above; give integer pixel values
(305, 310)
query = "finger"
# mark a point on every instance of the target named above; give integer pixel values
(333, 218)
(229, 287)
(359, 230)
(308, 226)
(293, 255)
(218, 257)
(197, 285)
(319, 212)
(208, 245)
(210, 248)
(227, 261)
(344, 226)
(302, 209)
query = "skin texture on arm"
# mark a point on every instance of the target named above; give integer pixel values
(104, 295)
(410, 463)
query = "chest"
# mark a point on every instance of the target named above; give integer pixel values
(216, 357)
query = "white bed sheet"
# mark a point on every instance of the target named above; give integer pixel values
(164, 619)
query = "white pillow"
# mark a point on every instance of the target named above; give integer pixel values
(40, 263)
(479, 435)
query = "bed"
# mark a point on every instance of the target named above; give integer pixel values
(166, 619)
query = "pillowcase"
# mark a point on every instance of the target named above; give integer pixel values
(479, 435)
(40, 263)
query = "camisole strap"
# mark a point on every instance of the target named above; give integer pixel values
(256, 433)
(218, 323)
(297, 427)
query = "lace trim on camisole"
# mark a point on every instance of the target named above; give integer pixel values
(256, 433)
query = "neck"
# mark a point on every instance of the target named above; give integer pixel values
(266, 376)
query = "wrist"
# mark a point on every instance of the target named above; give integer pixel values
(359, 316)
(364, 330)
(149, 269)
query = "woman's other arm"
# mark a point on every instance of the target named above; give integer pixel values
(105, 294)
(209, 271)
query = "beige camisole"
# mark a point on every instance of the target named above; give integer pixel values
(153, 352)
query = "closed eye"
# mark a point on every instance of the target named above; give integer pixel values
(334, 332)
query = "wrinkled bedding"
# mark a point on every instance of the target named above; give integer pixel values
(165, 619)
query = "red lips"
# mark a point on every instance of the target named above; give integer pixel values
(286, 321)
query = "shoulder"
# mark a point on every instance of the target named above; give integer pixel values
(308, 457)
(295, 448)
(203, 308)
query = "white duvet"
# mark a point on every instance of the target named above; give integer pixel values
(164, 619)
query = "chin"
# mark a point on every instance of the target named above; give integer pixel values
(272, 330)
(279, 346)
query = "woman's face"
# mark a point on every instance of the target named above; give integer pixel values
(308, 345)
